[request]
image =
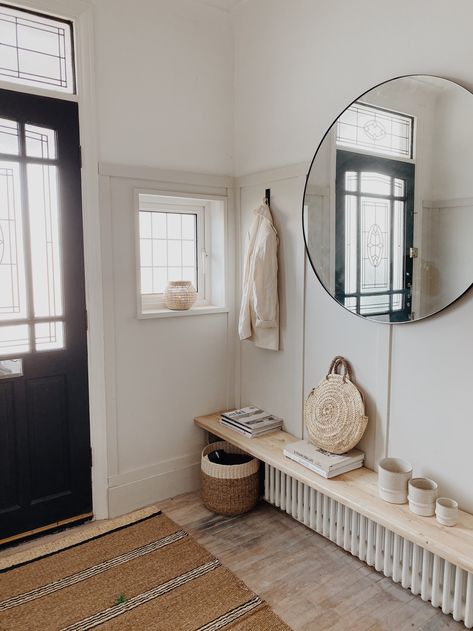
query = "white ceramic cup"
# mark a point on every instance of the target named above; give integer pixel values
(393, 475)
(446, 511)
(422, 495)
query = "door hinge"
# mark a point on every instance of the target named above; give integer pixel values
(91, 457)
(80, 156)
(413, 253)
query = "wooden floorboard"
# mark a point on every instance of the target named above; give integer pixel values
(309, 581)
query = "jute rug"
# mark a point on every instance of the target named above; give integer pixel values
(147, 575)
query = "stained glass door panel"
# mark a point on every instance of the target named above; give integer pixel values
(30, 265)
(374, 234)
(13, 305)
(44, 419)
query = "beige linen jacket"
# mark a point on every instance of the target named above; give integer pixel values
(259, 313)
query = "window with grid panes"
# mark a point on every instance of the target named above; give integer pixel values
(171, 246)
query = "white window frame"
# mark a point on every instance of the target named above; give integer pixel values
(153, 305)
(185, 207)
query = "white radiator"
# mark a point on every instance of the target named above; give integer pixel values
(445, 585)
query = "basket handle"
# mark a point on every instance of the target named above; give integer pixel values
(337, 363)
(332, 364)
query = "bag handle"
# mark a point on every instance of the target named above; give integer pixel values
(337, 363)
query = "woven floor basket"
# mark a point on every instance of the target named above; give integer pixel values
(229, 489)
(334, 412)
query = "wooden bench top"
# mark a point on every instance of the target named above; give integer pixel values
(358, 490)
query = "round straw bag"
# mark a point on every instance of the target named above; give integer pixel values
(229, 489)
(334, 412)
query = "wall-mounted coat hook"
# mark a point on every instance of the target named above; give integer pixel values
(267, 196)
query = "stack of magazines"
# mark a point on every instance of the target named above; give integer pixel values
(251, 421)
(323, 462)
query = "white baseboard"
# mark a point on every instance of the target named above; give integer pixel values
(127, 496)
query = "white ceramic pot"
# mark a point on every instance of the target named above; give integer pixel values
(422, 495)
(446, 511)
(393, 475)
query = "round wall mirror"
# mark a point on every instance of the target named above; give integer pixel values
(388, 203)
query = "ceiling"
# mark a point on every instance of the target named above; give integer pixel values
(225, 5)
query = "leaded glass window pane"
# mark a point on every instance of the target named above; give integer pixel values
(375, 240)
(374, 304)
(49, 335)
(399, 187)
(14, 339)
(168, 249)
(351, 248)
(30, 268)
(376, 130)
(36, 50)
(351, 181)
(44, 235)
(375, 183)
(9, 140)
(398, 246)
(13, 304)
(40, 142)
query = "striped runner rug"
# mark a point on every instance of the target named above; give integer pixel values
(144, 576)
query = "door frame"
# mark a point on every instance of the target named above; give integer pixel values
(81, 13)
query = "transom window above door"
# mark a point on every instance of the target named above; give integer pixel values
(36, 50)
(376, 130)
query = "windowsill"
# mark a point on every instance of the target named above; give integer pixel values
(170, 313)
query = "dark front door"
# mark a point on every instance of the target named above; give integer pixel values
(44, 413)
(374, 235)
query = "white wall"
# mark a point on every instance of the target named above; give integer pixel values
(298, 65)
(313, 327)
(274, 380)
(161, 373)
(449, 216)
(167, 90)
(165, 108)
(164, 84)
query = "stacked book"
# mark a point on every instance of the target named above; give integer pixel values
(251, 421)
(323, 462)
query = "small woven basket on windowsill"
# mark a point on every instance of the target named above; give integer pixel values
(229, 489)
(179, 295)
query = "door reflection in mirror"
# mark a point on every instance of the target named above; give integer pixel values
(389, 200)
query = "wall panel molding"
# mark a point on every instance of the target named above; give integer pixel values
(136, 489)
(319, 327)
(207, 180)
(155, 470)
(160, 373)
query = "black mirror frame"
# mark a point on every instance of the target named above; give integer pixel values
(365, 318)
